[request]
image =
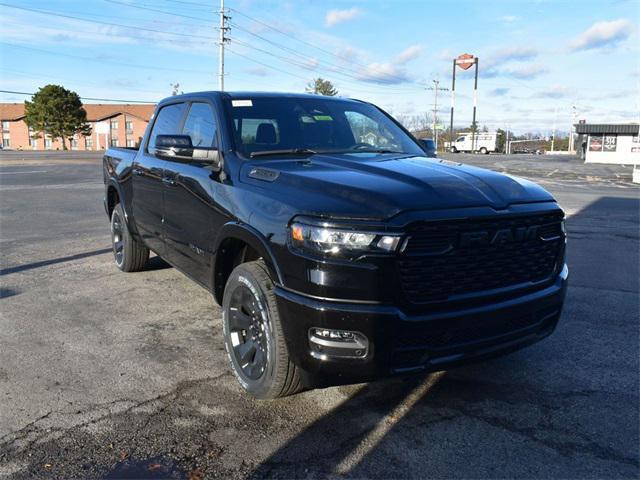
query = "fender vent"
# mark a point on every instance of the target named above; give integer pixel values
(263, 174)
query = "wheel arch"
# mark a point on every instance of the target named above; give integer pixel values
(115, 195)
(239, 243)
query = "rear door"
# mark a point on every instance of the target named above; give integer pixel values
(148, 177)
(192, 216)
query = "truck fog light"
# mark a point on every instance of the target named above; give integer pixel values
(389, 243)
(327, 343)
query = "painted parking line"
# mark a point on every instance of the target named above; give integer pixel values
(28, 171)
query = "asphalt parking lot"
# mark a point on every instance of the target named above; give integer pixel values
(111, 375)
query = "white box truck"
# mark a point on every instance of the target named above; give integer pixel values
(485, 142)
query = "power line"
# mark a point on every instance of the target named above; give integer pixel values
(160, 11)
(98, 60)
(183, 2)
(308, 66)
(112, 24)
(266, 64)
(334, 68)
(289, 35)
(85, 98)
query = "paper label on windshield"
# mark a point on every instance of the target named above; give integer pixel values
(242, 103)
(323, 118)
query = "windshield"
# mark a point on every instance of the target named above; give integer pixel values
(308, 125)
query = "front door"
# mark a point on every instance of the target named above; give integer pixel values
(191, 214)
(148, 180)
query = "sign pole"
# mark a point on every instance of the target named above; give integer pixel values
(475, 103)
(453, 102)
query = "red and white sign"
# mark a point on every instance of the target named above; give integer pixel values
(465, 61)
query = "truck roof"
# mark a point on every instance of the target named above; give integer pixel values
(249, 94)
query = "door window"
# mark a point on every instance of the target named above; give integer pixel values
(167, 122)
(200, 125)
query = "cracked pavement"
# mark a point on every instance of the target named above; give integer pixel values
(112, 375)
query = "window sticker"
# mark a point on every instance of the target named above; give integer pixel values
(307, 119)
(323, 118)
(242, 103)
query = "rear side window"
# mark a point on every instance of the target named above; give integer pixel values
(201, 125)
(167, 122)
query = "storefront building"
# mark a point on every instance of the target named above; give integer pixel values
(609, 143)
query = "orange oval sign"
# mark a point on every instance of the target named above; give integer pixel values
(465, 61)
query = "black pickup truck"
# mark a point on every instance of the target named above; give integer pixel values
(338, 251)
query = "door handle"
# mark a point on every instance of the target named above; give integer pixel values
(169, 181)
(137, 171)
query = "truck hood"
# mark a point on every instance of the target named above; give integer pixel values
(365, 185)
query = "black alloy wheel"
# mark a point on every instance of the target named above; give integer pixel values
(129, 254)
(248, 322)
(117, 239)
(253, 334)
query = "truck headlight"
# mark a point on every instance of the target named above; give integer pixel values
(340, 241)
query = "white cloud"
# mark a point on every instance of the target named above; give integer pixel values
(408, 54)
(555, 91)
(499, 92)
(527, 72)
(603, 34)
(256, 71)
(390, 72)
(509, 18)
(514, 54)
(334, 17)
(384, 73)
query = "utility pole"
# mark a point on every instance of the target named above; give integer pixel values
(507, 147)
(453, 102)
(553, 136)
(573, 122)
(436, 87)
(223, 38)
(475, 104)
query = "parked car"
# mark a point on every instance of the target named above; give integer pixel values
(337, 250)
(429, 147)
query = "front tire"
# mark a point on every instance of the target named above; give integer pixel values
(129, 254)
(253, 335)
(484, 151)
(454, 150)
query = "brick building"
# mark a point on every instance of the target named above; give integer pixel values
(124, 125)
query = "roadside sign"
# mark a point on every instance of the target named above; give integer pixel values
(465, 61)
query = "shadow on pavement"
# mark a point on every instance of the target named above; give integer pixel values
(53, 261)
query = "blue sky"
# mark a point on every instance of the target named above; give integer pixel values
(538, 58)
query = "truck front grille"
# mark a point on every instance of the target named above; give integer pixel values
(447, 260)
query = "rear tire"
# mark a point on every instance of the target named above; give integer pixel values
(129, 254)
(253, 336)
(484, 151)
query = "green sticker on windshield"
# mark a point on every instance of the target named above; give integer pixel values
(323, 118)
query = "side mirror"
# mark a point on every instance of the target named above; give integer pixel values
(178, 148)
(173, 147)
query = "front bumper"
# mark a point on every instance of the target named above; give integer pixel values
(399, 343)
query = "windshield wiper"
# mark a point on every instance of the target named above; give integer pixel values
(288, 151)
(374, 150)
